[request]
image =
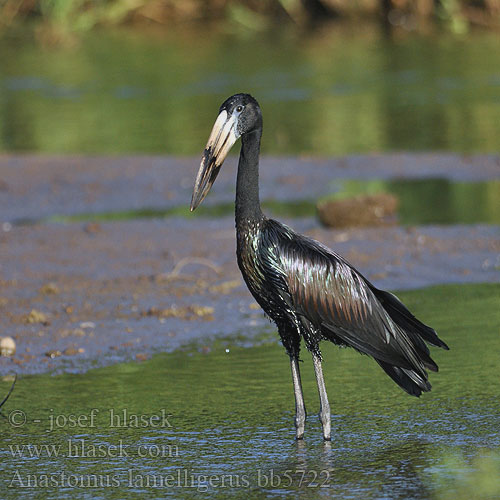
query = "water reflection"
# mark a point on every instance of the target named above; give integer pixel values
(232, 419)
(434, 201)
(332, 91)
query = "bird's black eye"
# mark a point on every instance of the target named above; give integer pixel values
(239, 109)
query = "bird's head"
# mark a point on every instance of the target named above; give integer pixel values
(238, 115)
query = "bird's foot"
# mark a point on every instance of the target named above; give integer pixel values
(299, 434)
(300, 428)
(300, 421)
(327, 433)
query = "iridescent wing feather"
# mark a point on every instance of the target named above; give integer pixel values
(334, 301)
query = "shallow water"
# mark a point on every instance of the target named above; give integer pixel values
(225, 419)
(422, 201)
(336, 91)
(435, 201)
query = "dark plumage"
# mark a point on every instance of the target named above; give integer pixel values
(309, 291)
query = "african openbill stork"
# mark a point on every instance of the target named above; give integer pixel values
(309, 291)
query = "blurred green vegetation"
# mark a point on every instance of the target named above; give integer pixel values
(61, 17)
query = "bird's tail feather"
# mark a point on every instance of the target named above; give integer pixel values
(410, 381)
(405, 319)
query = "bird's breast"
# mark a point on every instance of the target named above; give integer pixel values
(247, 251)
(256, 265)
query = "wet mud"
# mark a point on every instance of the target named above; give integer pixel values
(83, 294)
(32, 187)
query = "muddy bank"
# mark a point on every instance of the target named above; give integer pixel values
(74, 298)
(32, 187)
(89, 293)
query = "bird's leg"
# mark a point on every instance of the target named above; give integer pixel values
(300, 409)
(324, 412)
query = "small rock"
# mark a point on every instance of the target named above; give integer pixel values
(204, 312)
(92, 228)
(360, 211)
(186, 313)
(49, 289)
(37, 317)
(66, 332)
(225, 288)
(87, 324)
(7, 346)
(53, 353)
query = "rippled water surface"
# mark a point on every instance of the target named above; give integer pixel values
(218, 419)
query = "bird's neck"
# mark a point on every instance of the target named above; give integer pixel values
(247, 184)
